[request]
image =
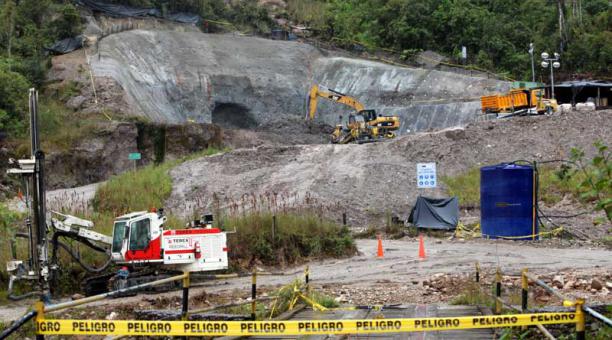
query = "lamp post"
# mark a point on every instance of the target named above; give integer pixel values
(553, 63)
(532, 63)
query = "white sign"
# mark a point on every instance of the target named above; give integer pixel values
(426, 175)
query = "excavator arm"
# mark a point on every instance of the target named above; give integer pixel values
(316, 92)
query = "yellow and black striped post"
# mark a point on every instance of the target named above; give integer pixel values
(307, 279)
(254, 295)
(524, 291)
(185, 309)
(39, 307)
(498, 305)
(580, 324)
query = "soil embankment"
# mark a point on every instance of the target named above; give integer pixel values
(369, 181)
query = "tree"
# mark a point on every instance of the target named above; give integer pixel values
(7, 20)
(13, 99)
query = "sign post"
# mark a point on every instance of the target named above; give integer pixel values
(134, 156)
(426, 175)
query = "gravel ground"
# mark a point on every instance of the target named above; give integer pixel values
(398, 277)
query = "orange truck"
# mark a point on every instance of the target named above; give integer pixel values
(529, 101)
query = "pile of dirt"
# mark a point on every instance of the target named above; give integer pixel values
(371, 181)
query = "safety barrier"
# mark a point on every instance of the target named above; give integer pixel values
(288, 328)
(578, 305)
(184, 327)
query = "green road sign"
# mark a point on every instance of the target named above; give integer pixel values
(134, 156)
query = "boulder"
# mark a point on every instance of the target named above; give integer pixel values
(76, 103)
(596, 284)
(558, 281)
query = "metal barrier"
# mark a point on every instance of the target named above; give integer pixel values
(578, 304)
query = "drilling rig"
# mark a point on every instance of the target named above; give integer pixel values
(141, 242)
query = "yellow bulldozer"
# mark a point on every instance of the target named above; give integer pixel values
(364, 126)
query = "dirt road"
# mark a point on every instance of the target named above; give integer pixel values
(400, 265)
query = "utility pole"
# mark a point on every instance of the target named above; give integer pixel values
(531, 49)
(553, 63)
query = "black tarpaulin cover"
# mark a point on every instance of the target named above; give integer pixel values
(119, 11)
(66, 45)
(435, 213)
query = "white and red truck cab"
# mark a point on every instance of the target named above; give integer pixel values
(140, 238)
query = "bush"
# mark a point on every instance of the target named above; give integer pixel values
(13, 100)
(146, 188)
(296, 237)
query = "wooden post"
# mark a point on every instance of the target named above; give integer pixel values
(39, 307)
(344, 219)
(273, 230)
(524, 291)
(254, 294)
(498, 306)
(307, 279)
(477, 271)
(185, 309)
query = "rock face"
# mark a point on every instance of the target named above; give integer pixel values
(235, 81)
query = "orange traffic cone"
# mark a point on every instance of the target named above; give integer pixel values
(380, 253)
(421, 248)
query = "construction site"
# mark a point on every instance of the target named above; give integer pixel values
(204, 182)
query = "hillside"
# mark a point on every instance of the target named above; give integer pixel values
(369, 181)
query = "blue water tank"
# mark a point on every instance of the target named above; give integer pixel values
(507, 202)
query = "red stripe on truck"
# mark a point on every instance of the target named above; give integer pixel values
(180, 251)
(192, 231)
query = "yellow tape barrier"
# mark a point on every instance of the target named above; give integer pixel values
(286, 328)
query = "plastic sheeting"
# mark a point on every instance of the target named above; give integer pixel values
(119, 11)
(66, 45)
(435, 213)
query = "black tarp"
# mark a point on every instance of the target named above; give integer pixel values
(66, 45)
(435, 213)
(121, 11)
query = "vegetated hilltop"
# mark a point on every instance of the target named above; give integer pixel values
(373, 180)
(496, 33)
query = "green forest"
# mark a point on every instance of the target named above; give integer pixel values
(496, 33)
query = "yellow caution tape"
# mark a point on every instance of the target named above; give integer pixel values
(287, 328)
(553, 232)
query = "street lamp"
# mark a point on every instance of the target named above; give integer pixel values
(531, 49)
(547, 61)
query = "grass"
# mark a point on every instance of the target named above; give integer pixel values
(471, 295)
(297, 236)
(311, 12)
(465, 186)
(143, 189)
(60, 128)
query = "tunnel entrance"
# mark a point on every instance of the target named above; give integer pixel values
(233, 116)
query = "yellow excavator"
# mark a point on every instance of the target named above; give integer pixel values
(363, 126)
